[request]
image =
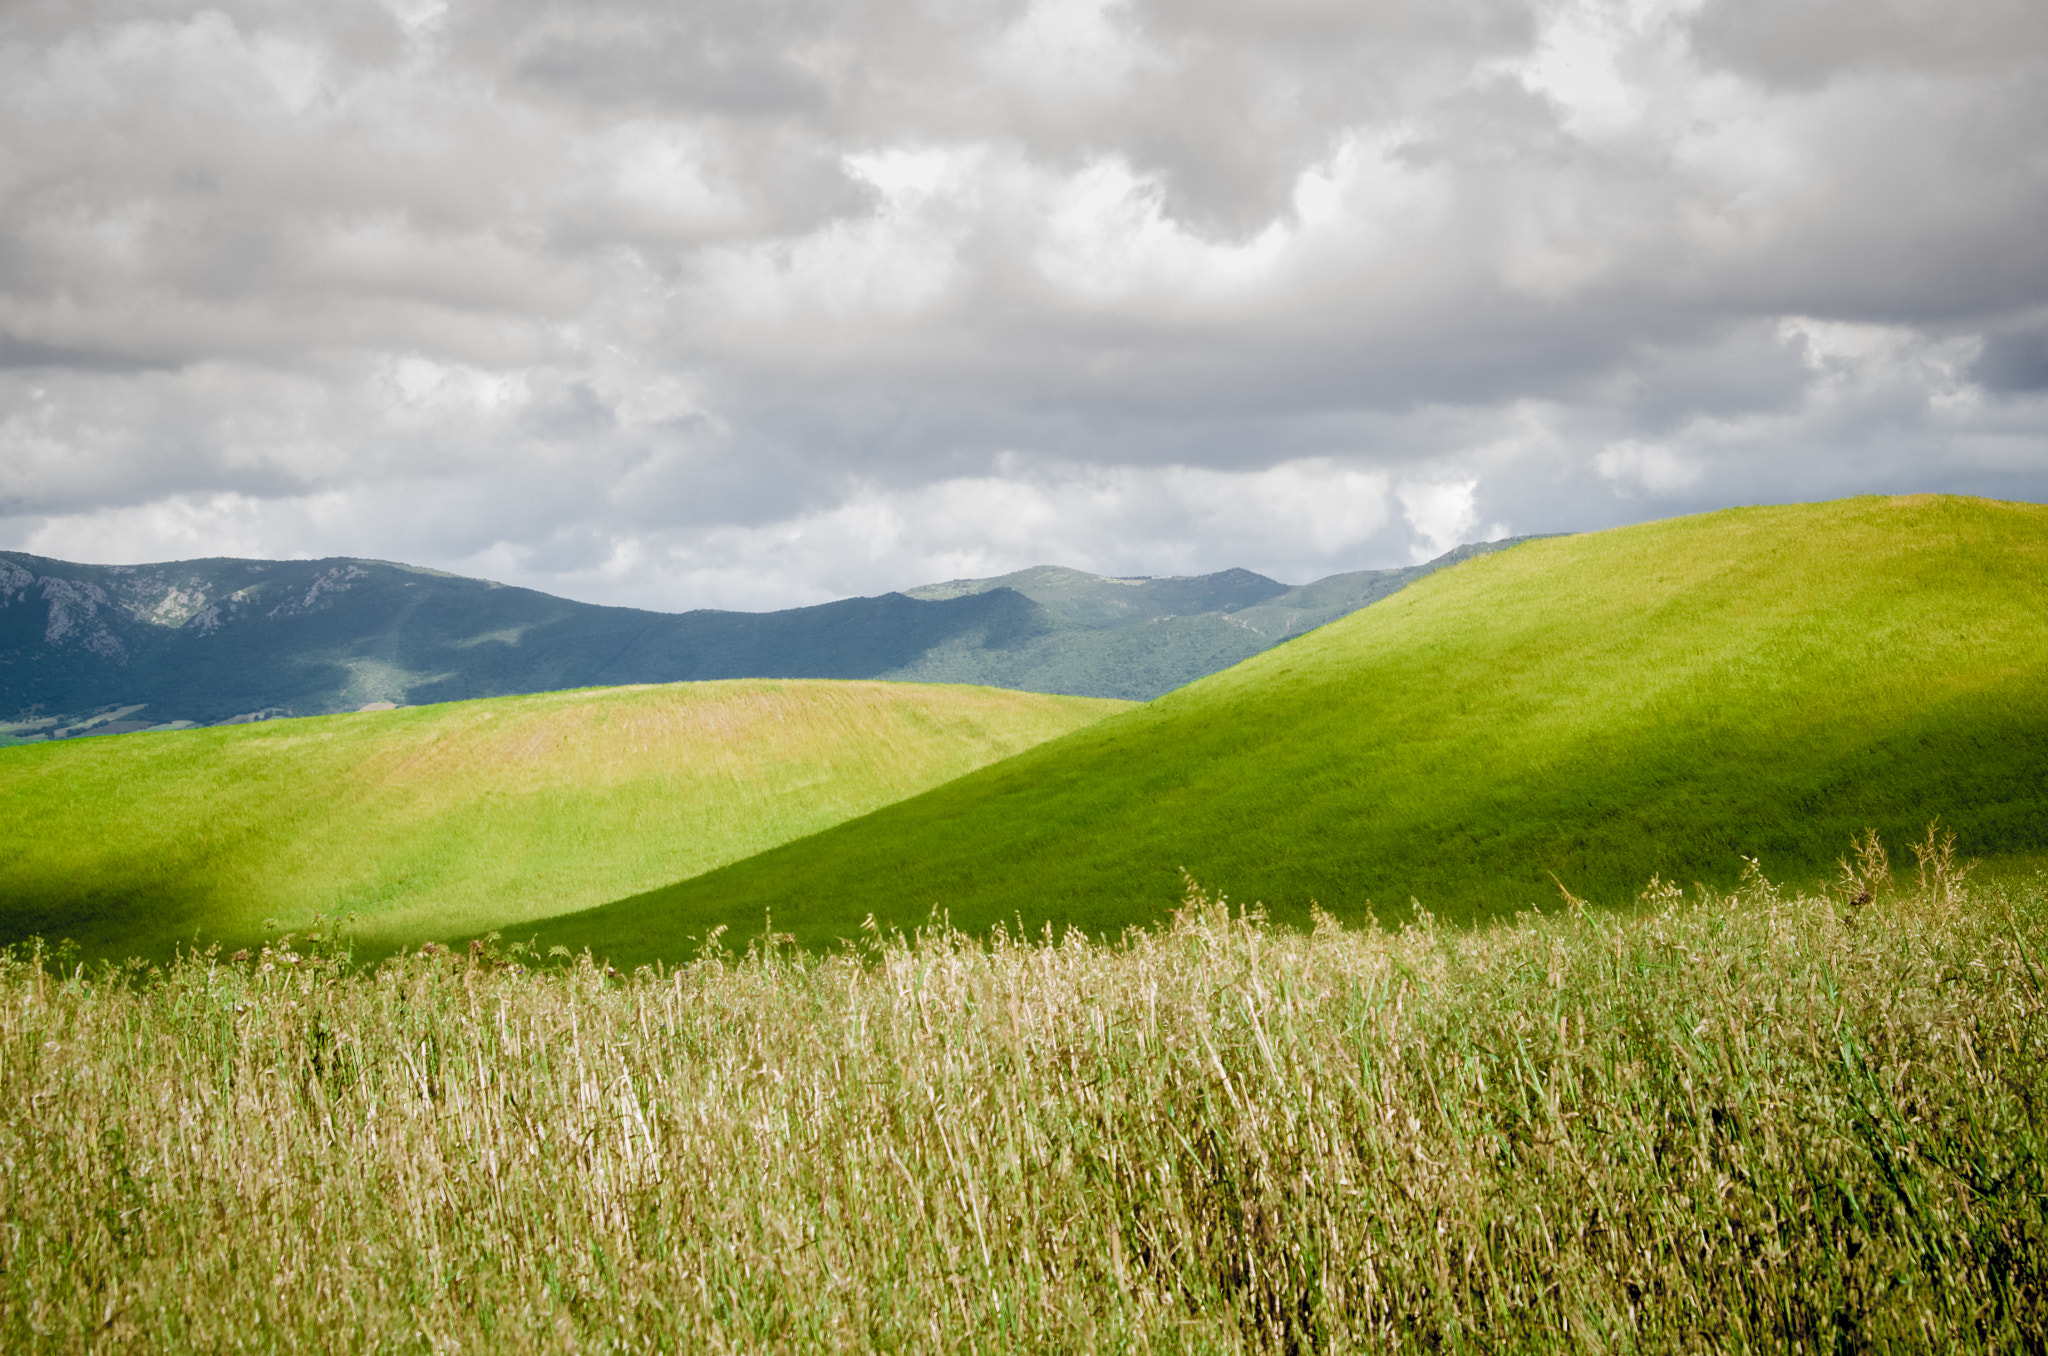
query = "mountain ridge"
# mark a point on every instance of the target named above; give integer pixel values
(113, 648)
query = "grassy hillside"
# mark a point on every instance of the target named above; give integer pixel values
(464, 816)
(1662, 698)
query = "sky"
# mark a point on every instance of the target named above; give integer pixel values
(759, 303)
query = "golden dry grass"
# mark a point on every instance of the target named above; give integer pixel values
(1733, 1123)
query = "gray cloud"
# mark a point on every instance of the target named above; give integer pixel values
(2014, 361)
(755, 302)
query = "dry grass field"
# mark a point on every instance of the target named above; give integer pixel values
(1744, 1121)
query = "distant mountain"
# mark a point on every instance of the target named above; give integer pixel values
(112, 648)
(1139, 638)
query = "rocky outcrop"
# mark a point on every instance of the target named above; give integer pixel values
(75, 617)
(15, 582)
(329, 582)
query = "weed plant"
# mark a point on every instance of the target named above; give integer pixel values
(1720, 1122)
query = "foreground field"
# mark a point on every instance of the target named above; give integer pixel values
(1725, 1123)
(1671, 697)
(469, 815)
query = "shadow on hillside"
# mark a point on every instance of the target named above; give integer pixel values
(126, 909)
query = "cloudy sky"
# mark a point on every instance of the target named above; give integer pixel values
(753, 303)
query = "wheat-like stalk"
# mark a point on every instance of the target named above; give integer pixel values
(1718, 1122)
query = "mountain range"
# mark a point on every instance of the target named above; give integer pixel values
(97, 649)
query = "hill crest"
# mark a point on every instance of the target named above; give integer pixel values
(1669, 698)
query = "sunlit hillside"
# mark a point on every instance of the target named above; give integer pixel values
(469, 815)
(1665, 698)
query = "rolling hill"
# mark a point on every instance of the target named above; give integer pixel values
(1655, 699)
(115, 649)
(466, 816)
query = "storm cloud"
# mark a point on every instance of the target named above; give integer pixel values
(753, 303)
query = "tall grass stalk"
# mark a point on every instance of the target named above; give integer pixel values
(1721, 1123)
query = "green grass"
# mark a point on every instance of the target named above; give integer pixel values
(1720, 1124)
(470, 815)
(1665, 698)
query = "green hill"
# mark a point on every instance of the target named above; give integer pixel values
(466, 816)
(1662, 698)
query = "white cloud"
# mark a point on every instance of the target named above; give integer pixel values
(1442, 513)
(1647, 468)
(1061, 48)
(753, 304)
(1578, 64)
(185, 526)
(1297, 521)
(1108, 238)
